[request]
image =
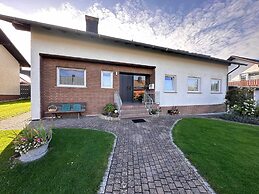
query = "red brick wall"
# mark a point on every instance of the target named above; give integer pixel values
(9, 97)
(197, 109)
(95, 96)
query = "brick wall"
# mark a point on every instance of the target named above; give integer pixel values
(95, 96)
(8, 97)
(197, 109)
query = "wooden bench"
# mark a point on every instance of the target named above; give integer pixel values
(56, 109)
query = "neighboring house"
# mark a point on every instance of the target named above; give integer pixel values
(245, 76)
(83, 66)
(10, 63)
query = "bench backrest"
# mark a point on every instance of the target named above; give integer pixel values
(66, 107)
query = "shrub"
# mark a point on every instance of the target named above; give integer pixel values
(247, 108)
(237, 96)
(110, 110)
(31, 138)
(257, 111)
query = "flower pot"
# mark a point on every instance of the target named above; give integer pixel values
(34, 154)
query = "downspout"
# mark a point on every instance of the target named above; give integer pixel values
(230, 73)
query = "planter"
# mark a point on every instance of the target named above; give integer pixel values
(34, 154)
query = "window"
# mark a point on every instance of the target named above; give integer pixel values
(243, 76)
(194, 84)
(68, 77)
(107, 79)
(215, 85)
(169, 83)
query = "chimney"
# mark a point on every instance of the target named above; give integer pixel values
(91, 24)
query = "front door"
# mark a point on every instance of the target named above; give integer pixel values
(126, 87)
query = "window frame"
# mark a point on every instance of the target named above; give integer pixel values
(220, 86)
(70, 86)
(105, 87)
(174, 83)
(199, 84)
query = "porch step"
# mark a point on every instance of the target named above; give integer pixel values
(133, 111)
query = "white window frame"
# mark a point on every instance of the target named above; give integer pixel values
(105, 87)
(70, 86)
(174, 83)
(220, 85)
(199, 84)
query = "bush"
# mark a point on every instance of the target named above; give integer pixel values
(238, 95)
(240, 101)
(247, 108)
(110, 110)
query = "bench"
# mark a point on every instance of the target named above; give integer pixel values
(56, 109)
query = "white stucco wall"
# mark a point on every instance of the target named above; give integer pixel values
(58, 43)
(9, 73)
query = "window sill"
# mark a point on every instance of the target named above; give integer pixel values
(170, 91)
(190, 92)
(106, 88)
(216, 93)
(60, 86)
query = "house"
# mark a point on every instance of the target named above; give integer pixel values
(10, 64)
(245, 76)
(70, 65)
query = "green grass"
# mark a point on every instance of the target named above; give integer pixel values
(75, 163)
(6, 137)
(10, 109)
(226, 154)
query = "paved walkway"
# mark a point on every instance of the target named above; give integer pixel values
(145, 160)
(17, 122)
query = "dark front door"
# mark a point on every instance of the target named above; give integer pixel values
(126, 87)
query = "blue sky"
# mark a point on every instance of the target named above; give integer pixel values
(213, 27)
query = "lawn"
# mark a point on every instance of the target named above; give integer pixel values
(226, 154)
(10, 109)
(75, 163)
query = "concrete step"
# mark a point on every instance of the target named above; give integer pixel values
(133, 111)
(134, 116)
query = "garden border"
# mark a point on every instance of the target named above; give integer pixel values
(108, 169)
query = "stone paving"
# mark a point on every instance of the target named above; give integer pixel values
(145, 160)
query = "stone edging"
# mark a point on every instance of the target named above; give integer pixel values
(107, 172)
(187, 161)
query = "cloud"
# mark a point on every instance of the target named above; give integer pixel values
(216, 28)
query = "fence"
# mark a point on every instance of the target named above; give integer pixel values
(25, 91)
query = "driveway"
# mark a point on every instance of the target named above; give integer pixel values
(145, 159)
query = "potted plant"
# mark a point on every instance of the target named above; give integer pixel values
(32, 143)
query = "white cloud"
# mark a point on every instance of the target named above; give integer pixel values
(218, 29)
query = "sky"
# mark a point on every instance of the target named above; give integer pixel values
(219, 28)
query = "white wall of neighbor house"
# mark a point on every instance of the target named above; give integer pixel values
(250, 68)
(9, 73)
(58, 43)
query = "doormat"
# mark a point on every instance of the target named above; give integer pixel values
(138, 120)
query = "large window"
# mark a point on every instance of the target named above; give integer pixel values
(107, 79)
(194, 84)
(68, 77)
(169, 83)
(215, 85)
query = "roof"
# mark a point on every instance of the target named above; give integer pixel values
(243, 58)
(23, 24)
(4, 40)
